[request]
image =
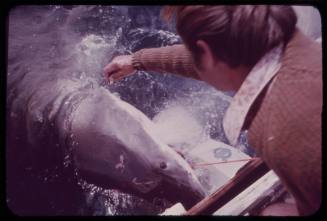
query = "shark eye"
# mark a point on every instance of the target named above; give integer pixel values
(163, 165)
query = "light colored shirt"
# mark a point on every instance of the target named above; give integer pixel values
(258, 78)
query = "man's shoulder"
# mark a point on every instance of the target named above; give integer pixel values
(298, 84)
(302, 59)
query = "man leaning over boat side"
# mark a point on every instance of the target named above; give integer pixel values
(276, 72)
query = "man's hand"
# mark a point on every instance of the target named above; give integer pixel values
(118, 68)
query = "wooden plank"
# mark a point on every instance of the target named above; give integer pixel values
(247, 175)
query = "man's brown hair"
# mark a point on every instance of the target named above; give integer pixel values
(237, 34)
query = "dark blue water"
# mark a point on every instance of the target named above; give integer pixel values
(57, 43)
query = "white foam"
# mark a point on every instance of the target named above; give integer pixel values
(175, 126)
(91, 43)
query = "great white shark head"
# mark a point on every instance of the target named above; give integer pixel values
(116, 147)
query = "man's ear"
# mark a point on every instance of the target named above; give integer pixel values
(207, 57)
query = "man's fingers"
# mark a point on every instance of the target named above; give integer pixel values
(115, 77)
(118, 68)
(111, 75)
(110, 69)
(118, 76)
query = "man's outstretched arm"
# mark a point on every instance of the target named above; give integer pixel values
(175, 59)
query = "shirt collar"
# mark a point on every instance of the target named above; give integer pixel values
(254, 83)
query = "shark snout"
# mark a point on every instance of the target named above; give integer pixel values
(181, 184)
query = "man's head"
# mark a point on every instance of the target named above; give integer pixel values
(235, 35)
